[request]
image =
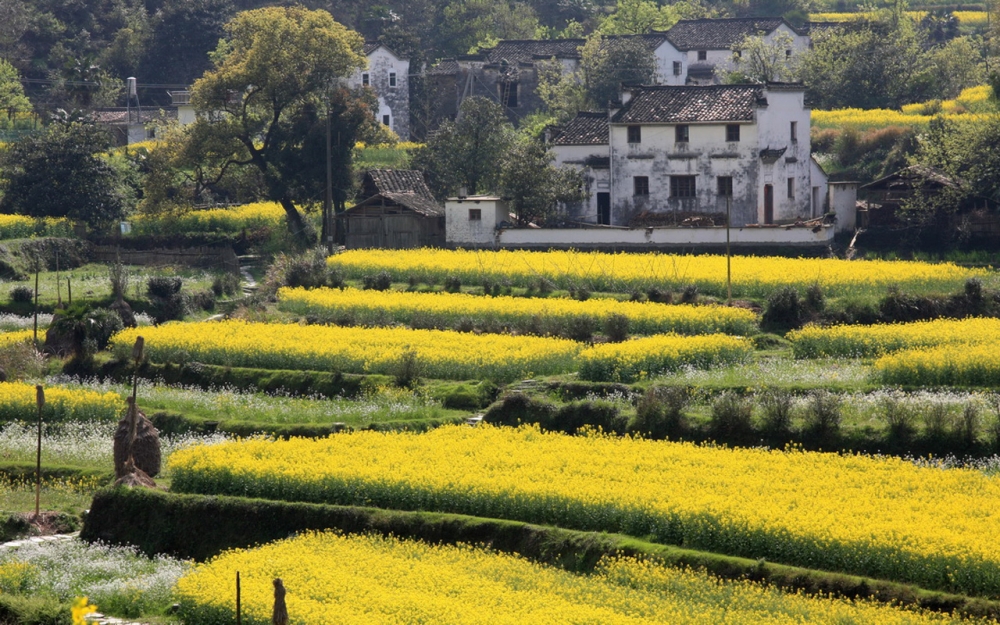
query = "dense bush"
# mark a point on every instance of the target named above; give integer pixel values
(163, 287)
(378, 282)
(616, 328)
(822, 418)
(22, 295)
(732, 417)
(784, 310)
(660, 413)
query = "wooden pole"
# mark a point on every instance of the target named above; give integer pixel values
(729, 258)
(40, 400)
(36, 303)
(58, 282)
(69, 289)
(239, 617)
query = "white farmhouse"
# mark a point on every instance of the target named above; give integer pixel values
(679, 152)
(709, 43)
(388, 76)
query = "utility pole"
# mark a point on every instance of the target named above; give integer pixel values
(328, 217)
(729, 258)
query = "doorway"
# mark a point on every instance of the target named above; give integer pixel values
(604, 208)
(768, 204)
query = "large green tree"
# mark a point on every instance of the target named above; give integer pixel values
(607, 62)
(271, 77)
(467, 152)
(12, 98)
(534, 186)
(63, 173)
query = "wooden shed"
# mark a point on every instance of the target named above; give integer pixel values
(395, 210)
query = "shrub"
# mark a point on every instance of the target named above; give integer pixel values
(595, 413)
(897, 306)
(732, 417)
(660, 413)
(898, 417)
(163, 287)
(452, 284)
(308, 270)
(381, 281)
(581, 328)
(776, 413)
(968, 425)
(227, 284)
(689, 294)
(657, 295)
(822, 418)
(938, 422)
(102, 324)
(20, 360)
(22, 295)
(407, 370)
(517, 408)
(583, 294)
(815, 300)
(616, 328)
(203, 300)
(784, 310)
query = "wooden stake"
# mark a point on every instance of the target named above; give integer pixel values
(239, 617)
(69, 289)
(37, 262)
(40, 400)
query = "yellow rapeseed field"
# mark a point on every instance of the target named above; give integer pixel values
(861, 341)
(370, 307)
(20, 226)
(440, 354)
(642, 358)
(233, 219)
(625, 272)
(17, 403)
(883, 517)
(333, 579)
(962, 364)
(18, 336)
(968, 106)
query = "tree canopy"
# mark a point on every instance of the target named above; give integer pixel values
(63, 173)
(12, 98)
(261, 103)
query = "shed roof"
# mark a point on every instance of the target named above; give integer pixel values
(720, 34)
(395, 181)
(587, 128)
(665, 104)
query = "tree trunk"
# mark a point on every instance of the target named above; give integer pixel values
(300, 230)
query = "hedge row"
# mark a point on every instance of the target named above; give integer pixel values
(208, 377)
(199, 527)
(174, 423)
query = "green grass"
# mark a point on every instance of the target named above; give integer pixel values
(778, 370)
(91, 282)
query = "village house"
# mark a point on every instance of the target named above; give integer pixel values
(389, 77)
(676, 153)
(395, 209)
(709, 43)
(508, 73)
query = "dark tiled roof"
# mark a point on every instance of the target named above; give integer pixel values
(669, 104)
(447, 67)
(587, 128)
(371, 47)
(531, 50)
(396, 181)
(417, 202)
(719, 34)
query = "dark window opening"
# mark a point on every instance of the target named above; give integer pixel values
(641, 185)
(475, 214)
(392, 79)
(677, 68)
(635, 134)
(509, 95)
(788, 54)
(732, 132)
(681, 133)
(604, 208)
(682, 186)
(702, 55)
(725, 186)
(365, 80)
(791, 188)
(793, 130)
(385, 120)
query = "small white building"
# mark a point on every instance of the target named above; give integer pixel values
(389, 77)
(708, 43)
(675, 153)
(473, 220)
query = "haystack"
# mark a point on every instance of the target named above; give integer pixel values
(145, 450)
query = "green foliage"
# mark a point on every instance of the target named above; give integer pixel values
(12, 98)
(607, 62)
(756, 60)
(61, 173)
(264, 103)
(533, 184)
(660, 413)
(638, 17)
(467, 152)
(469, 24)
